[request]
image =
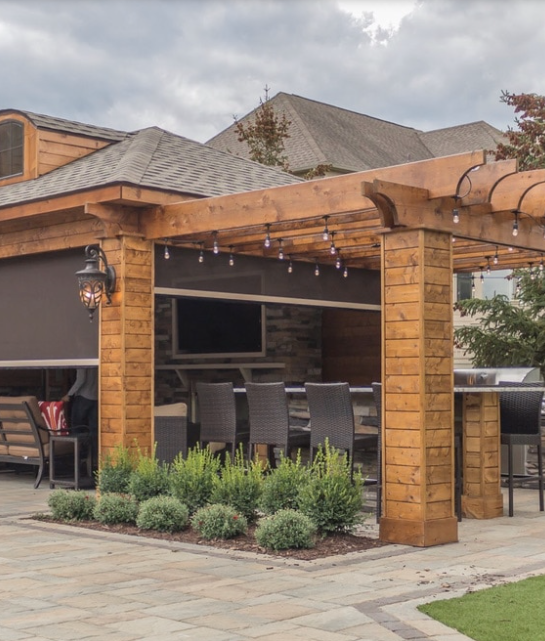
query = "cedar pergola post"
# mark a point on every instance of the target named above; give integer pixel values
(417, 374)
(126, 347)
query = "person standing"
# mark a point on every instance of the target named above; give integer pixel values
(83, 398)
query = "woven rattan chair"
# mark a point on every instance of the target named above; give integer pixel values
(520, 416)
(332, 417)
(269, 420)
(218, 417)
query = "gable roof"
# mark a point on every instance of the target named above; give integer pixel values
(349, 141)
(156, 159)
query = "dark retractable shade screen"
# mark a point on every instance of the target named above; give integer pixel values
(41, 317)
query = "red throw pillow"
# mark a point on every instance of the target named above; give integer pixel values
(54, 416)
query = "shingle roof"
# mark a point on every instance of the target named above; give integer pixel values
(462, 138)
(349, 141)
(69, 126)
(155, 159)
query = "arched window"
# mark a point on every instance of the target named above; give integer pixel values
(11, 148)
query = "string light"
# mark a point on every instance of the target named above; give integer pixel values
(473, 284)
(488, 264)
(267, 241)
(316, 269)
(332, 248)
(516, 224)
(325, 233)
(281, 249)
(338, 261)
(496, 257)
(215, 246)
(166, 252)
(231, 257)
(290, 266)
(345, 272)
(201, 254)
(482, 275)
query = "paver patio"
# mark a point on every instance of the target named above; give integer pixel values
(63, 583)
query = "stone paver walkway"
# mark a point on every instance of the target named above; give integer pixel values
(64, 583)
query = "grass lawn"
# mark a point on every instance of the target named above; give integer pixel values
(510, 612)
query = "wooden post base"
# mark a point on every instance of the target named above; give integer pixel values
(488, 507)
(419, 533)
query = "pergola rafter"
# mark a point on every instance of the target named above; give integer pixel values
(362, 207)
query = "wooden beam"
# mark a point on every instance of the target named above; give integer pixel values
(305, 200)
(505, 194)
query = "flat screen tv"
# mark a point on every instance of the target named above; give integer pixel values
(210, 328)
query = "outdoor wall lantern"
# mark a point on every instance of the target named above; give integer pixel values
(93, 283)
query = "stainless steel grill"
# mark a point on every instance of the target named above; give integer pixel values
(493, 375)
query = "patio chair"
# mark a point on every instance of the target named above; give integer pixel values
(218, 417)
(270, 422)
(332, 417)
(520, 416)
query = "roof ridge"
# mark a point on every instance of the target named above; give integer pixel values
(142, 145)
(356, 113)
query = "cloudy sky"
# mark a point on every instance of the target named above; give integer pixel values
(189, 66)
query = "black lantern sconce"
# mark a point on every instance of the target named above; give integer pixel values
(93, 283)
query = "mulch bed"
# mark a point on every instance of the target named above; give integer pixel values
(337, 544)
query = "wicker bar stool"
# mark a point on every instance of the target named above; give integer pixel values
(269, 420)
(332, 417)
(520, 416)
(218, 417)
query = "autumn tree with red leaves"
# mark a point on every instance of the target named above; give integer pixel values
(527, 143)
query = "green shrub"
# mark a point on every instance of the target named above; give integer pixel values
(163, 513)
(115, 471)
(239, 485)
(286, 529)
(191, 480)
(332, 498)
(218, 521)
(116, 508)
(71, 505)
(282, 485)
(149, 478)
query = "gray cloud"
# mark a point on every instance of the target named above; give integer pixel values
(190, 65)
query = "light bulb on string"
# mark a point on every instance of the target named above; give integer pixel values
(325, 233)
(281, 249)
(231, 257)
(290, 266)
(267, 241)
(166, 252)
(215, 245)
(316, 269)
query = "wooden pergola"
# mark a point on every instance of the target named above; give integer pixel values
(398, 220)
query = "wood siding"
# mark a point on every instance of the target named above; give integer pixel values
(351, 346)
(417, 387)
(126, 348)
(56, 149)
(481, 497)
